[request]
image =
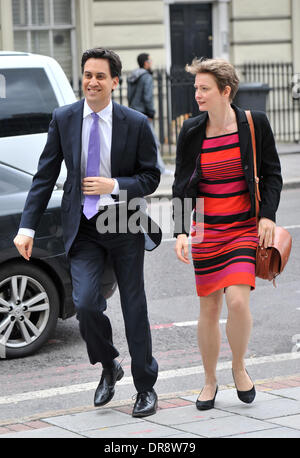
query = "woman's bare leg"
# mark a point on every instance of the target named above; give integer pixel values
(238, 330)
(209, 340)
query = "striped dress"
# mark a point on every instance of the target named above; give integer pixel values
(224, 235)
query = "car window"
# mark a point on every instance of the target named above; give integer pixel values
(27, 101)
(12, 181)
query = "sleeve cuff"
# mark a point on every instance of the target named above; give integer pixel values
(25, 231)
(116, 189)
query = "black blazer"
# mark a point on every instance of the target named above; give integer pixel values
(188, 168)
(133, 164)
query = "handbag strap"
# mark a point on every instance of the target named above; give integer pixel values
(256, 179)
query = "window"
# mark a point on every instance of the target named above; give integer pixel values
(29, 102)
(48, 27)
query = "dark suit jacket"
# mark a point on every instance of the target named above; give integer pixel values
(133, 164)
(188, 169)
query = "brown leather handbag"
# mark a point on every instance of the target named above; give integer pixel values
(270, 261)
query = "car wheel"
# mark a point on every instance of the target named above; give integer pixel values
(29, 307)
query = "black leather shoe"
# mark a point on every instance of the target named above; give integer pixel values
(145, 404)
(248, 395)
(206, 405)
(106, 388)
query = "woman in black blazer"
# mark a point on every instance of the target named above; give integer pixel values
(214, 177)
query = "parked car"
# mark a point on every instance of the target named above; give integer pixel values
(32, 294)
(31, 87)
(35, 293)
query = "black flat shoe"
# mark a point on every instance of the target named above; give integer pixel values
(106, 388)
(206, 405)
(248, 395)
(145, 404)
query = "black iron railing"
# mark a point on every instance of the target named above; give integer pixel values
(283, 105)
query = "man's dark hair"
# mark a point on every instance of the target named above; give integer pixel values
(114, 60)
(142, 58)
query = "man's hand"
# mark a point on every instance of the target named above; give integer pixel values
(266, 232)
(182, 246)
(97, 185)
(24, 245)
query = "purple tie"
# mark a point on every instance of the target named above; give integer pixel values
(93, 166)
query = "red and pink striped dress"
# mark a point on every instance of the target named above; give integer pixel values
(224, 235)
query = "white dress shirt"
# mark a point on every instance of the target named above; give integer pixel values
(105, 128)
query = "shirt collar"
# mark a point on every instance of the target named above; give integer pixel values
(104, 114)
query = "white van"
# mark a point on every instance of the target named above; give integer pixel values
(31, 87)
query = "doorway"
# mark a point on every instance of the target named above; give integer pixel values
(191, 36)
(191, 32)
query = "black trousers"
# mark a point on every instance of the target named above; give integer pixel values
(87, 257)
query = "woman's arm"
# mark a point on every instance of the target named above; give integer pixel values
(270, 173)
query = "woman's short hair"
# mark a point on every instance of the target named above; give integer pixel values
(114, 60)
(223, 72)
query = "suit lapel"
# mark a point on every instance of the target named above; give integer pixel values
(119, 138)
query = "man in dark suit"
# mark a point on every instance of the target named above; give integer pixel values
(109, 152)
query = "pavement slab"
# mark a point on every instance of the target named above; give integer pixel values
(292, 421)
(275, 413)
(133, 431)
(51, 432)
(274, 433)
(267, 409)
(186, 415)
(100, 418)
(291, 393)
(225, 427)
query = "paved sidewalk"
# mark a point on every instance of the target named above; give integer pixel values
(275, 413)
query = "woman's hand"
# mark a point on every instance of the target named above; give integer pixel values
(266, 232)
(182, 248)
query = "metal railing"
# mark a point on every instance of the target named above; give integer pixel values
(283, 103)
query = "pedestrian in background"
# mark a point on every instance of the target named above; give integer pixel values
(140, 98)
(93, 136)
(215, 162)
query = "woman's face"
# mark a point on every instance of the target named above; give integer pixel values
(207, 93)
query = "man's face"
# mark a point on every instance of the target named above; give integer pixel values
(97, 83)
(148, 63)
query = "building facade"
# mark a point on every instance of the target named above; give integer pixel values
(171, 31)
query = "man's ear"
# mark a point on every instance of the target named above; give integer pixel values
(115, 83)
